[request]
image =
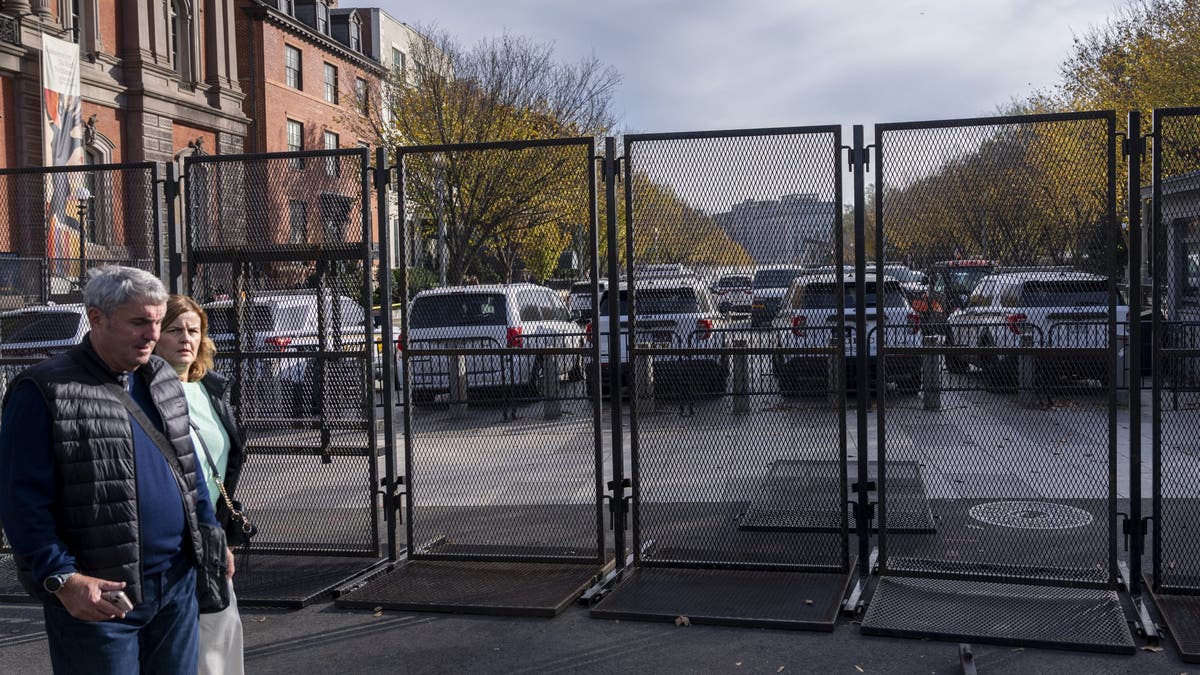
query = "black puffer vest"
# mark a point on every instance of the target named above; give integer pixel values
(92, 441)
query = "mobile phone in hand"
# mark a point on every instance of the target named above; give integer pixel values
(119, 599)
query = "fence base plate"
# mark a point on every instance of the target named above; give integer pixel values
(798, 600)
(294, 580)
(997, 613)
(1181, 613)
(501, 588)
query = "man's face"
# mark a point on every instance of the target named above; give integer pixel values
(125, 338)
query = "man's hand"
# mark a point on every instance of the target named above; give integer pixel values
(229, 563)
(82, 596)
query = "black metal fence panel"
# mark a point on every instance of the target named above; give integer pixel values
(996, 316)
(735, 386)
(503, 439)
(279, 253)
(1176, 350)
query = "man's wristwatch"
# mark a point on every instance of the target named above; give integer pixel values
(55, 582)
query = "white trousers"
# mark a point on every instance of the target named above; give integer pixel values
(221, 640)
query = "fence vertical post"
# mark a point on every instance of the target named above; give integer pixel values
(931, 374)
(551, 404)
(741, 378)
(174, 231)
(1123, 362)
(1026, 372)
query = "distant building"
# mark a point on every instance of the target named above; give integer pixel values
(795, 229)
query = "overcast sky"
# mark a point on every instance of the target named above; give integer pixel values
(708, 64)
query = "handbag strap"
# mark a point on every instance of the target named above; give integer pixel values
(233, 510)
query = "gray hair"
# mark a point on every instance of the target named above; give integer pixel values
(113, 285)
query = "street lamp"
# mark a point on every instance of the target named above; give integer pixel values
(86, 214)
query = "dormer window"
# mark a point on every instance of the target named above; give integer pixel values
(288, 7)
(355, 34)
(322, 18)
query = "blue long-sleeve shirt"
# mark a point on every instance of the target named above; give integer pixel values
(28, 492)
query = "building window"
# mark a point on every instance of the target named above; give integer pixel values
(331, 87)
(397, 59)
(173, 30)
(292, 64)
(295, 141)
(322, 17)
(355, 34)
(288, 7)
(361, 97)
(332, 164)
(77, 21)
(297, 221)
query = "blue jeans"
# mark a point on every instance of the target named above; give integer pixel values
(160, 635)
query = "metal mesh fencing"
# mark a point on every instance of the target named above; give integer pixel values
(999, 306)
(55, 225)
(279, 255)
(736, 387)
(1176, 350)
(502, 436)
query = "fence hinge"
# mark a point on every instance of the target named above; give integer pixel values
(383, 177)
(1129, 146)
(857, 511)
(859, 156)
(1139, 529)
(618, 507)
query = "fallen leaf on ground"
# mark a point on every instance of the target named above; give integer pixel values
(682, 621)
(859, 669)
(807, 601)
(258, 619)
(1152, 648)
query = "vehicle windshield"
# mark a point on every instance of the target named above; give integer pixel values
(39, 327)
(1089, 293)
(824, 296)
(738, 281)
(657, 301)
(904, 274)
(775, 278)
(458, 309)
(965, 279)
(256, 318)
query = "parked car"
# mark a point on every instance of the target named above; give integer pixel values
(670, 313)
(735, 293)
(288, 323)
(770, 284)
(913, 282)
(505, 318)
(950, 284)
(39, 331)
(580, 299)
(1056, 309)
(808, 318)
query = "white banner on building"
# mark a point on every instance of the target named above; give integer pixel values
(62, 140)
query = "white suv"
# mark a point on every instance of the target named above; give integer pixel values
(39, 331)
(506, 318)
(286, 323)
(580, 300)
(1056, 309)
(808, 319)
(674, 314)
(770, 285)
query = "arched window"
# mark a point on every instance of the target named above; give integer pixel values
(322, 17)
(355, 33)
(182, 39)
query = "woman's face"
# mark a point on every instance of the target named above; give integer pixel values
(180, 342)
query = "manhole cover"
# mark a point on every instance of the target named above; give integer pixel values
(1030, 515)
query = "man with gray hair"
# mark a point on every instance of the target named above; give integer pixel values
(104, 525)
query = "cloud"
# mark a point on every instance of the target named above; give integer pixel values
(704, 64)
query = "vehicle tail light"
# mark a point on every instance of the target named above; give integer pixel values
(921, 305)
(704, 328)
(281, 343)
(914, 323)
(588, 331)
(399, 342)
(798, 324)
(1015, 321)
(514, 338)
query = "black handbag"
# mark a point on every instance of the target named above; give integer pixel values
(230, 512)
